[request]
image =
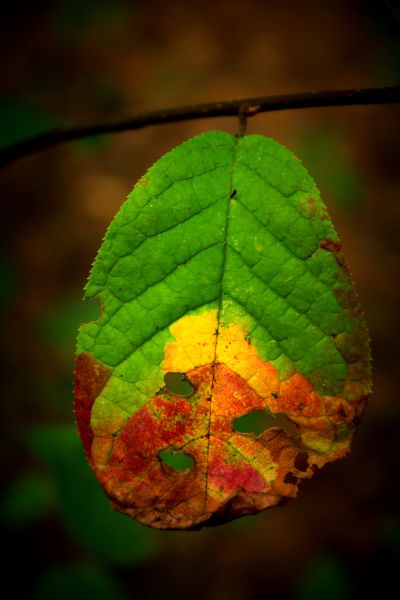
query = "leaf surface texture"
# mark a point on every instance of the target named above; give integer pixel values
(221, 274)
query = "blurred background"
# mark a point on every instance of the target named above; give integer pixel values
(67, 61)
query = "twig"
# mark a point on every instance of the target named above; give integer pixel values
(242, 120)
(243, 108)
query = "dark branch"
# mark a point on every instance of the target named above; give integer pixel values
(242, 108)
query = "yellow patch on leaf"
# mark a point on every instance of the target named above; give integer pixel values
(234, 351)
(196, 345)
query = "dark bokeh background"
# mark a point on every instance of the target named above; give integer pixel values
(71, 61)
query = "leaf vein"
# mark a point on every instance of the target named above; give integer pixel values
(163, 280)
(267, 286)
(294, 256)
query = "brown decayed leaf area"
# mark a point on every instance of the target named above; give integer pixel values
(234, 474)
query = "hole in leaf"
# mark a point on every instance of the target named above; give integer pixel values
(258, 421)
(177, 460)
(178, 384)
(93, 309)
(301, 461)
(290, 478)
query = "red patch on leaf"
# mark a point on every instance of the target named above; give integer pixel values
(331, 245)
(143, 486)
(233, 474)
(229, 477)
(90, 377)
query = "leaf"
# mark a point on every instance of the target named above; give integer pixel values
(222, 266)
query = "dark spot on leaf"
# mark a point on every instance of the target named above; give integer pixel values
(290, 478)
(274, 395)
(331, 245)
(233, 193)
(336, 249)
(177, 460)
(179, 384)
(258, 421)
(301, 461)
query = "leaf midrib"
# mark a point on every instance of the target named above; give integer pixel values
(220, 302)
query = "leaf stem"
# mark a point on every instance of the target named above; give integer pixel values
(243, 109)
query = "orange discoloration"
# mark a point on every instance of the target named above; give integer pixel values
(135, 477)
(233, 474)
(297, 398)
(229, 467)
(234, 351)
(339, 411)
(232, 397)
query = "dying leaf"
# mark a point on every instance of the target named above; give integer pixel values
(222, 268)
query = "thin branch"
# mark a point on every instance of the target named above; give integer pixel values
(245, 108)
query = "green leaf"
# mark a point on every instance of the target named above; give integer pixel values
(82, 503)
(222, 267)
